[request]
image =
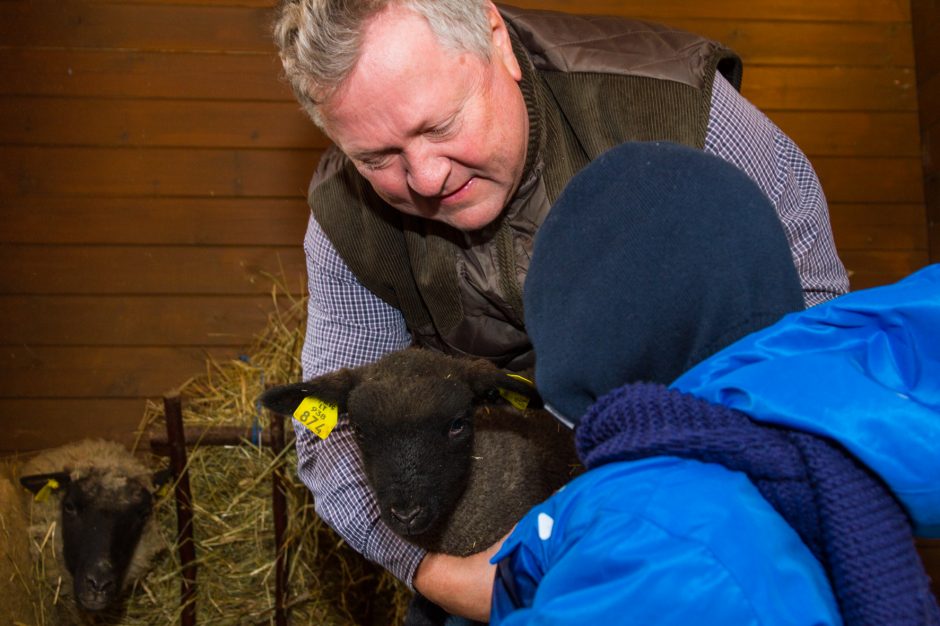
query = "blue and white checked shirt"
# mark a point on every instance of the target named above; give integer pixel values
(348, 326)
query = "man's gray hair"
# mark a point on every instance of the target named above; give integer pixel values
(320, 40)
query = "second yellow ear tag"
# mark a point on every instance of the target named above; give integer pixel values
(521, 378)
(318, 416)
(518, 400)
(164, 489)
(51, 485)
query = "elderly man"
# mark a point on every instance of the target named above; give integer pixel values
(456, 125)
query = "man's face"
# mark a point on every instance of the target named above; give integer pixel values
(439, 134)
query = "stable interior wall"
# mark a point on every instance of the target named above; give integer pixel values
(926, 25)
(155, 166)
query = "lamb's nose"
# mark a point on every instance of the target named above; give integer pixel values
(99, 583)
(405, 515)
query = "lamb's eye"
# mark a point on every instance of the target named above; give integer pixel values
(458, 426)
(492, 395)
(69, 508)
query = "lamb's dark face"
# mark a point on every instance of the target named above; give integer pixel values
(416, 447)
(101, 526)
(415, 412)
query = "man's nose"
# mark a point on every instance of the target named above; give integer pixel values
(427, 174)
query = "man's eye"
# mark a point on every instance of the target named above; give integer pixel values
(441, 132)
(374, 164)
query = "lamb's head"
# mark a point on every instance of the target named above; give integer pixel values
(103, 514)
(413, 413)
(416, 440)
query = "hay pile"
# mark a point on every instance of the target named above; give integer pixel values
(233, 526)
(16, 580)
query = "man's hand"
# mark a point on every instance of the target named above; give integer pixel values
(460, 585)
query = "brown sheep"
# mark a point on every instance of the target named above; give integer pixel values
(95, 504)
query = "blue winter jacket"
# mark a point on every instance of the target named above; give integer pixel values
(670, 541)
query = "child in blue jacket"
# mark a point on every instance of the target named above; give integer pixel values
(778, 477)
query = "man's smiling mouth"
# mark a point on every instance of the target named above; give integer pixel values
(457, 193)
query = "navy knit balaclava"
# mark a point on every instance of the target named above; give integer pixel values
(654, 257)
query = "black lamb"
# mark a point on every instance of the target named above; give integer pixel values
(453, 465)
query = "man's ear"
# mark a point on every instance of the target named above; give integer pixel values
(502, 44)
(332, 388)
(36, 482)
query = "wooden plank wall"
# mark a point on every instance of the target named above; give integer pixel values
(926, 25)
(154, 175)
(925, 19)
(154, 169)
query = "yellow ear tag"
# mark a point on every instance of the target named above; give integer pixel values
(164, 489)
(518, 400)
(43, 494)
(521, 379)
(318, 416)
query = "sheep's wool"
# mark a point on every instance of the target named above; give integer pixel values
(114, 466)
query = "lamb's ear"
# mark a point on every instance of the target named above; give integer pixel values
(41, 485)
(162, 480)
(332, 388)
(491, 384)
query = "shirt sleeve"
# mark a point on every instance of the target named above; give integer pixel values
(745, 137)
(347, 326)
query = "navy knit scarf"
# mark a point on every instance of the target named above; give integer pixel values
(842, 512)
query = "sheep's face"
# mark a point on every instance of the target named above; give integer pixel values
(413, 411)
(102, 522)
(417, 446)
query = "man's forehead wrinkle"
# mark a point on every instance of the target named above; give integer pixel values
(372, 111)
(374, 135)
(386, 124)
(358, 120)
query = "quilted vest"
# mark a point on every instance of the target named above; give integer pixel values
(589, 83)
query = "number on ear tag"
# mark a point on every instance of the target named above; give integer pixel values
(317, 416)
